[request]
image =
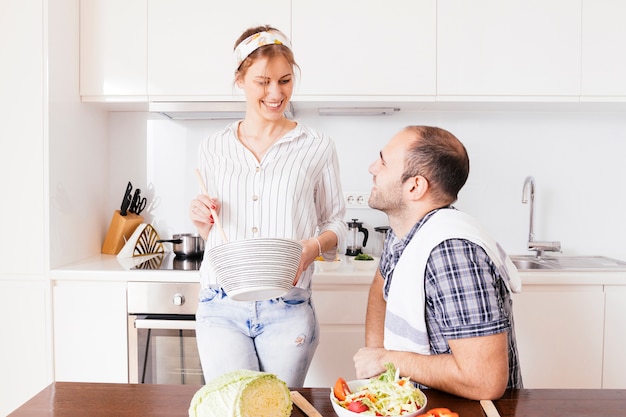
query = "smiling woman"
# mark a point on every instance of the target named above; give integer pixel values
(265, 72)
(267, 177)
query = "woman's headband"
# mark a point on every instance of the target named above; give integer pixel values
(257, 40)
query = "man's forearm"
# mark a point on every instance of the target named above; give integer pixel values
(477, 368)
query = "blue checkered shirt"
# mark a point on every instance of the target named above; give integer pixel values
(465, 295)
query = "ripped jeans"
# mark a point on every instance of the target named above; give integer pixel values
(278, 336)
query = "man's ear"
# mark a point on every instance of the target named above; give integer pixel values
(419, 187)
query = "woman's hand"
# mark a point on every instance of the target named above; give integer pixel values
(200, 214)
(310, 250)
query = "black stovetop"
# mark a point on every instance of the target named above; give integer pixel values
(168, 260)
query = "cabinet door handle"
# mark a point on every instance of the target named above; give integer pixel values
(165, 324)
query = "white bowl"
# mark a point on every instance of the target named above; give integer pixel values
(325, 266)
(256, 269)
(354, 385)
(363, 265)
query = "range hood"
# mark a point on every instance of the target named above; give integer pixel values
(204, 110)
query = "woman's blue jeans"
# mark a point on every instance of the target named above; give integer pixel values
(278, 336)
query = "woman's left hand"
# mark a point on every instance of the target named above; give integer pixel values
(310, 250)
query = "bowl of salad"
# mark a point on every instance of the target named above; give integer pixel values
(365, 262)
(385, 395)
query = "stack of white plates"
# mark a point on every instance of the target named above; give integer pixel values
(256, 269)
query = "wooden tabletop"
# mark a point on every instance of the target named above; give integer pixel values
(72, 399)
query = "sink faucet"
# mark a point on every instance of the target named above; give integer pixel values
(528, 192)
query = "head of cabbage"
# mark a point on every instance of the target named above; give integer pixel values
(242, 393)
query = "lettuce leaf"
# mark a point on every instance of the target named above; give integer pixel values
(390, 375)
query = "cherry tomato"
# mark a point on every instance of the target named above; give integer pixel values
(341, 389)
(357, 407)
(439, 412)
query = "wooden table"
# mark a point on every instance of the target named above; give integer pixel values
(73, 399)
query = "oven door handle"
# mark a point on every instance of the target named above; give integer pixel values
(165, 324)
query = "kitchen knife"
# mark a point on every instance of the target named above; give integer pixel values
(135, 201)
(141, 204)
(126, 200)
(138, 203)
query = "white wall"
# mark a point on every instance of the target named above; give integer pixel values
(575, 157)
(78, 147)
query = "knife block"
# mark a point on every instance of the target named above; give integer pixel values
(120, 230)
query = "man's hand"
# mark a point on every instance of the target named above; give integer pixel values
(369, 362)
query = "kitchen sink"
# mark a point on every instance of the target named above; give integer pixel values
(567, 263)
(525, 263)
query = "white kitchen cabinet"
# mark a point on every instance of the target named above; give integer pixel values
(90, 325)
(560, 335)
(397, 51)
(508, 48)
(603, 44)
(26, 346)
(113, 55)
(22, 141)
(614, 376)
(345, 48)
(25, 351)
(190, 44)
(341, 313)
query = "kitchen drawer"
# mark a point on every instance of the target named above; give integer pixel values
(341, 306)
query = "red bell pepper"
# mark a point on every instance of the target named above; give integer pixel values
(439, 412)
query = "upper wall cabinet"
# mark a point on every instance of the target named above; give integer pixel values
(399, 50)
(113, 37)
(190, 43)
(508, 48)
(347, 48)
(603, 46)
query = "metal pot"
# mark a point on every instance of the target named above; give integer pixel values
(186, 245)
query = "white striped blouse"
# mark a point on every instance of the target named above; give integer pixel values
(294, 192)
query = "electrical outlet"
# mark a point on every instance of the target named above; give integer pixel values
(356, 200)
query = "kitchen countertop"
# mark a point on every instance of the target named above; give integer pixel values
(103, 267)
(109, 268)
(74, 399)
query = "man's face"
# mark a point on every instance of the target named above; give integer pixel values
(387, 193)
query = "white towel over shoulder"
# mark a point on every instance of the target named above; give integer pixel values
(405, 321)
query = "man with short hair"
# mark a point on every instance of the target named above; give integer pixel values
(440, 305)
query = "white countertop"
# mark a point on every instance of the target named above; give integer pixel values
(109, 268)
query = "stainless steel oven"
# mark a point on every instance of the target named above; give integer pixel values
(161, 333)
